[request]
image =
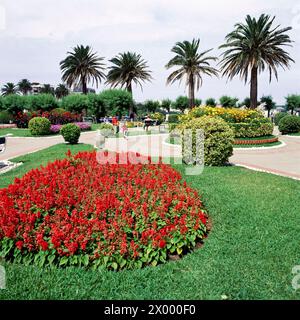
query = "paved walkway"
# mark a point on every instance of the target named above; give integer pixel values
(283, 161)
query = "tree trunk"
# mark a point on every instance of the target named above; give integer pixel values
(253, 88)
(129, 89)
(84, 91)
(191, 92)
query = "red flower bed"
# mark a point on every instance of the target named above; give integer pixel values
(76, 211)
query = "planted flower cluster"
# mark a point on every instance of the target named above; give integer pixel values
(77, 211)
(84, 126)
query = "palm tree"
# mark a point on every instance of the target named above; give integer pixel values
(61, 91)
(9, 88)
(252, 47)
(192, 65)
(24, 86)
(47, 89)
(81, 67)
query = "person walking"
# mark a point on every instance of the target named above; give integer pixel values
(124, 130)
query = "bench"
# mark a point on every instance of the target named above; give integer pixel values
(2, 144)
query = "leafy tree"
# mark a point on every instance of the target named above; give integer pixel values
(269, 103)
(255, 46)
(82, 66)
(13, 103)
(9, 88)
(75, 103)
(128, 68)
(166, 104)
(211, 102)
(96, 105)
(192, 65)
(61, 91)
(44, 102)
(198, 102)
(152, 105)
(47, 89)
(292, 102)
(228, 102)
(181, 103)
(117, 101)
(24, 86)
(245, 102)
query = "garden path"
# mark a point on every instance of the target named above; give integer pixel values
(283, 161)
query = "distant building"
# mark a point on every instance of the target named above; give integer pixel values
(37, 88)
(78, 89)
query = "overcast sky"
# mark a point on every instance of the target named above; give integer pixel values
(36, 35)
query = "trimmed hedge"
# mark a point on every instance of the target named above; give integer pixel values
(70, 132)
(39, 126)
(255, 128)
(279, 116)
(289, 124)
(218, 141)
(173, 118)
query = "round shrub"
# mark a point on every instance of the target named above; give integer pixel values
(83, 211)
(70, 132)
(39, 126)
(278, 116)
(289, 124)
(218, 143)
(173, 118)
(5, 117)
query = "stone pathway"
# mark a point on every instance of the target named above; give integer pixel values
(283, 161)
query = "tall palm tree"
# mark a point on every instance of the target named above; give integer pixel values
(61, 91)
(48, 89)
(24, 86)
(128, 68)
(81, 67)
(252, 47)
(9, 88)
(192, 65)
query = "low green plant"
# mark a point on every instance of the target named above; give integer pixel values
(278, 116)
(256, 128)
(289, 124)
(70, 133)
(159, 117)
(39, 126)
(173, 118)
(218, 140)
(5, 117)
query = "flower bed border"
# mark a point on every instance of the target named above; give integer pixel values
(259, 141)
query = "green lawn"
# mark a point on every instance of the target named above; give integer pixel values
(273, 144)
(16, 132)
(249, 254)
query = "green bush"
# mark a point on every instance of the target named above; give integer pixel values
(218, 142)
(289, 124)
(173, 118)
(96, 105)
(255, 128)
(75, 103)
(43, 102)
(278, 116)
(159, 117)
(70, 133)
(39, 126)
(14, 103)
(117, 101)
(5, 117)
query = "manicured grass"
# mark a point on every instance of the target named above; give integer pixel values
(16, 132)
(249, 254)
(249, 146)
(294, 134)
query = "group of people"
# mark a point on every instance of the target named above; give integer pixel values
(121, 125)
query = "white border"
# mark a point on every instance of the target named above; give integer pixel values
(283, 144)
